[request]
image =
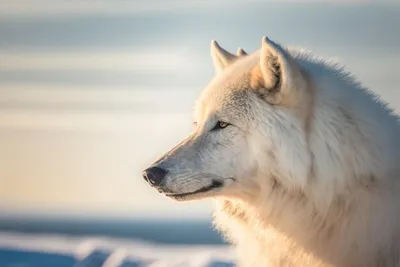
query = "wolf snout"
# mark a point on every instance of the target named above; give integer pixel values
(154, 175)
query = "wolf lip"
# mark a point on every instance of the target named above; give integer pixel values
(215, 184)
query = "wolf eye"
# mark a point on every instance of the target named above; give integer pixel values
(221, 125)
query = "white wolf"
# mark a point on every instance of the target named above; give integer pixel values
(302, 160)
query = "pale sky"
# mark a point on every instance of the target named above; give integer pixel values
(54, 7)
(92, 93)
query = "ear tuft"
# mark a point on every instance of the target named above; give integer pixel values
(266, 41)
(271, 64)
(240, 52)
(220, 56)
(278, 76)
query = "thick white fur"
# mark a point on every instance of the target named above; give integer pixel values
(349, 214)
(315, 162)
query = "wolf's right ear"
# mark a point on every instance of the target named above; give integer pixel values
(240, 52)
(278, 78)
(220, 56)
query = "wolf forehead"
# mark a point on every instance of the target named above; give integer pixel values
(269, 73)
(237, 102)
(234, 89)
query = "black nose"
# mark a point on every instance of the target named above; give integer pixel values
(154, 175)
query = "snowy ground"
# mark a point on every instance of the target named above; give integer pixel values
(28, 250)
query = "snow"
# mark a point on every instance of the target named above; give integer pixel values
(47, 250)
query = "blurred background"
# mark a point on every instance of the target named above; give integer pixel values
(92, 91)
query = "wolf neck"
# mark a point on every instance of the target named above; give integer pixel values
(273, 239)
(286, 227)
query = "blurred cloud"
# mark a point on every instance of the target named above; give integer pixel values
(52, 7)
(90, 109)
(151, 60)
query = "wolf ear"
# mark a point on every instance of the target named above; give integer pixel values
(278, 75)
(220, 56)
(240, 52)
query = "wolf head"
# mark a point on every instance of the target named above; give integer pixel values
(250, 121)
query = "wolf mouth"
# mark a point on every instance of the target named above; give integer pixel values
(215, 184)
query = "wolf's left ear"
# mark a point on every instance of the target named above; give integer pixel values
(220, 56)
(278, 77)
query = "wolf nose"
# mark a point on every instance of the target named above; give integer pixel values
(154, 175)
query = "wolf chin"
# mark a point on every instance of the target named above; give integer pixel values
(301, 158)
